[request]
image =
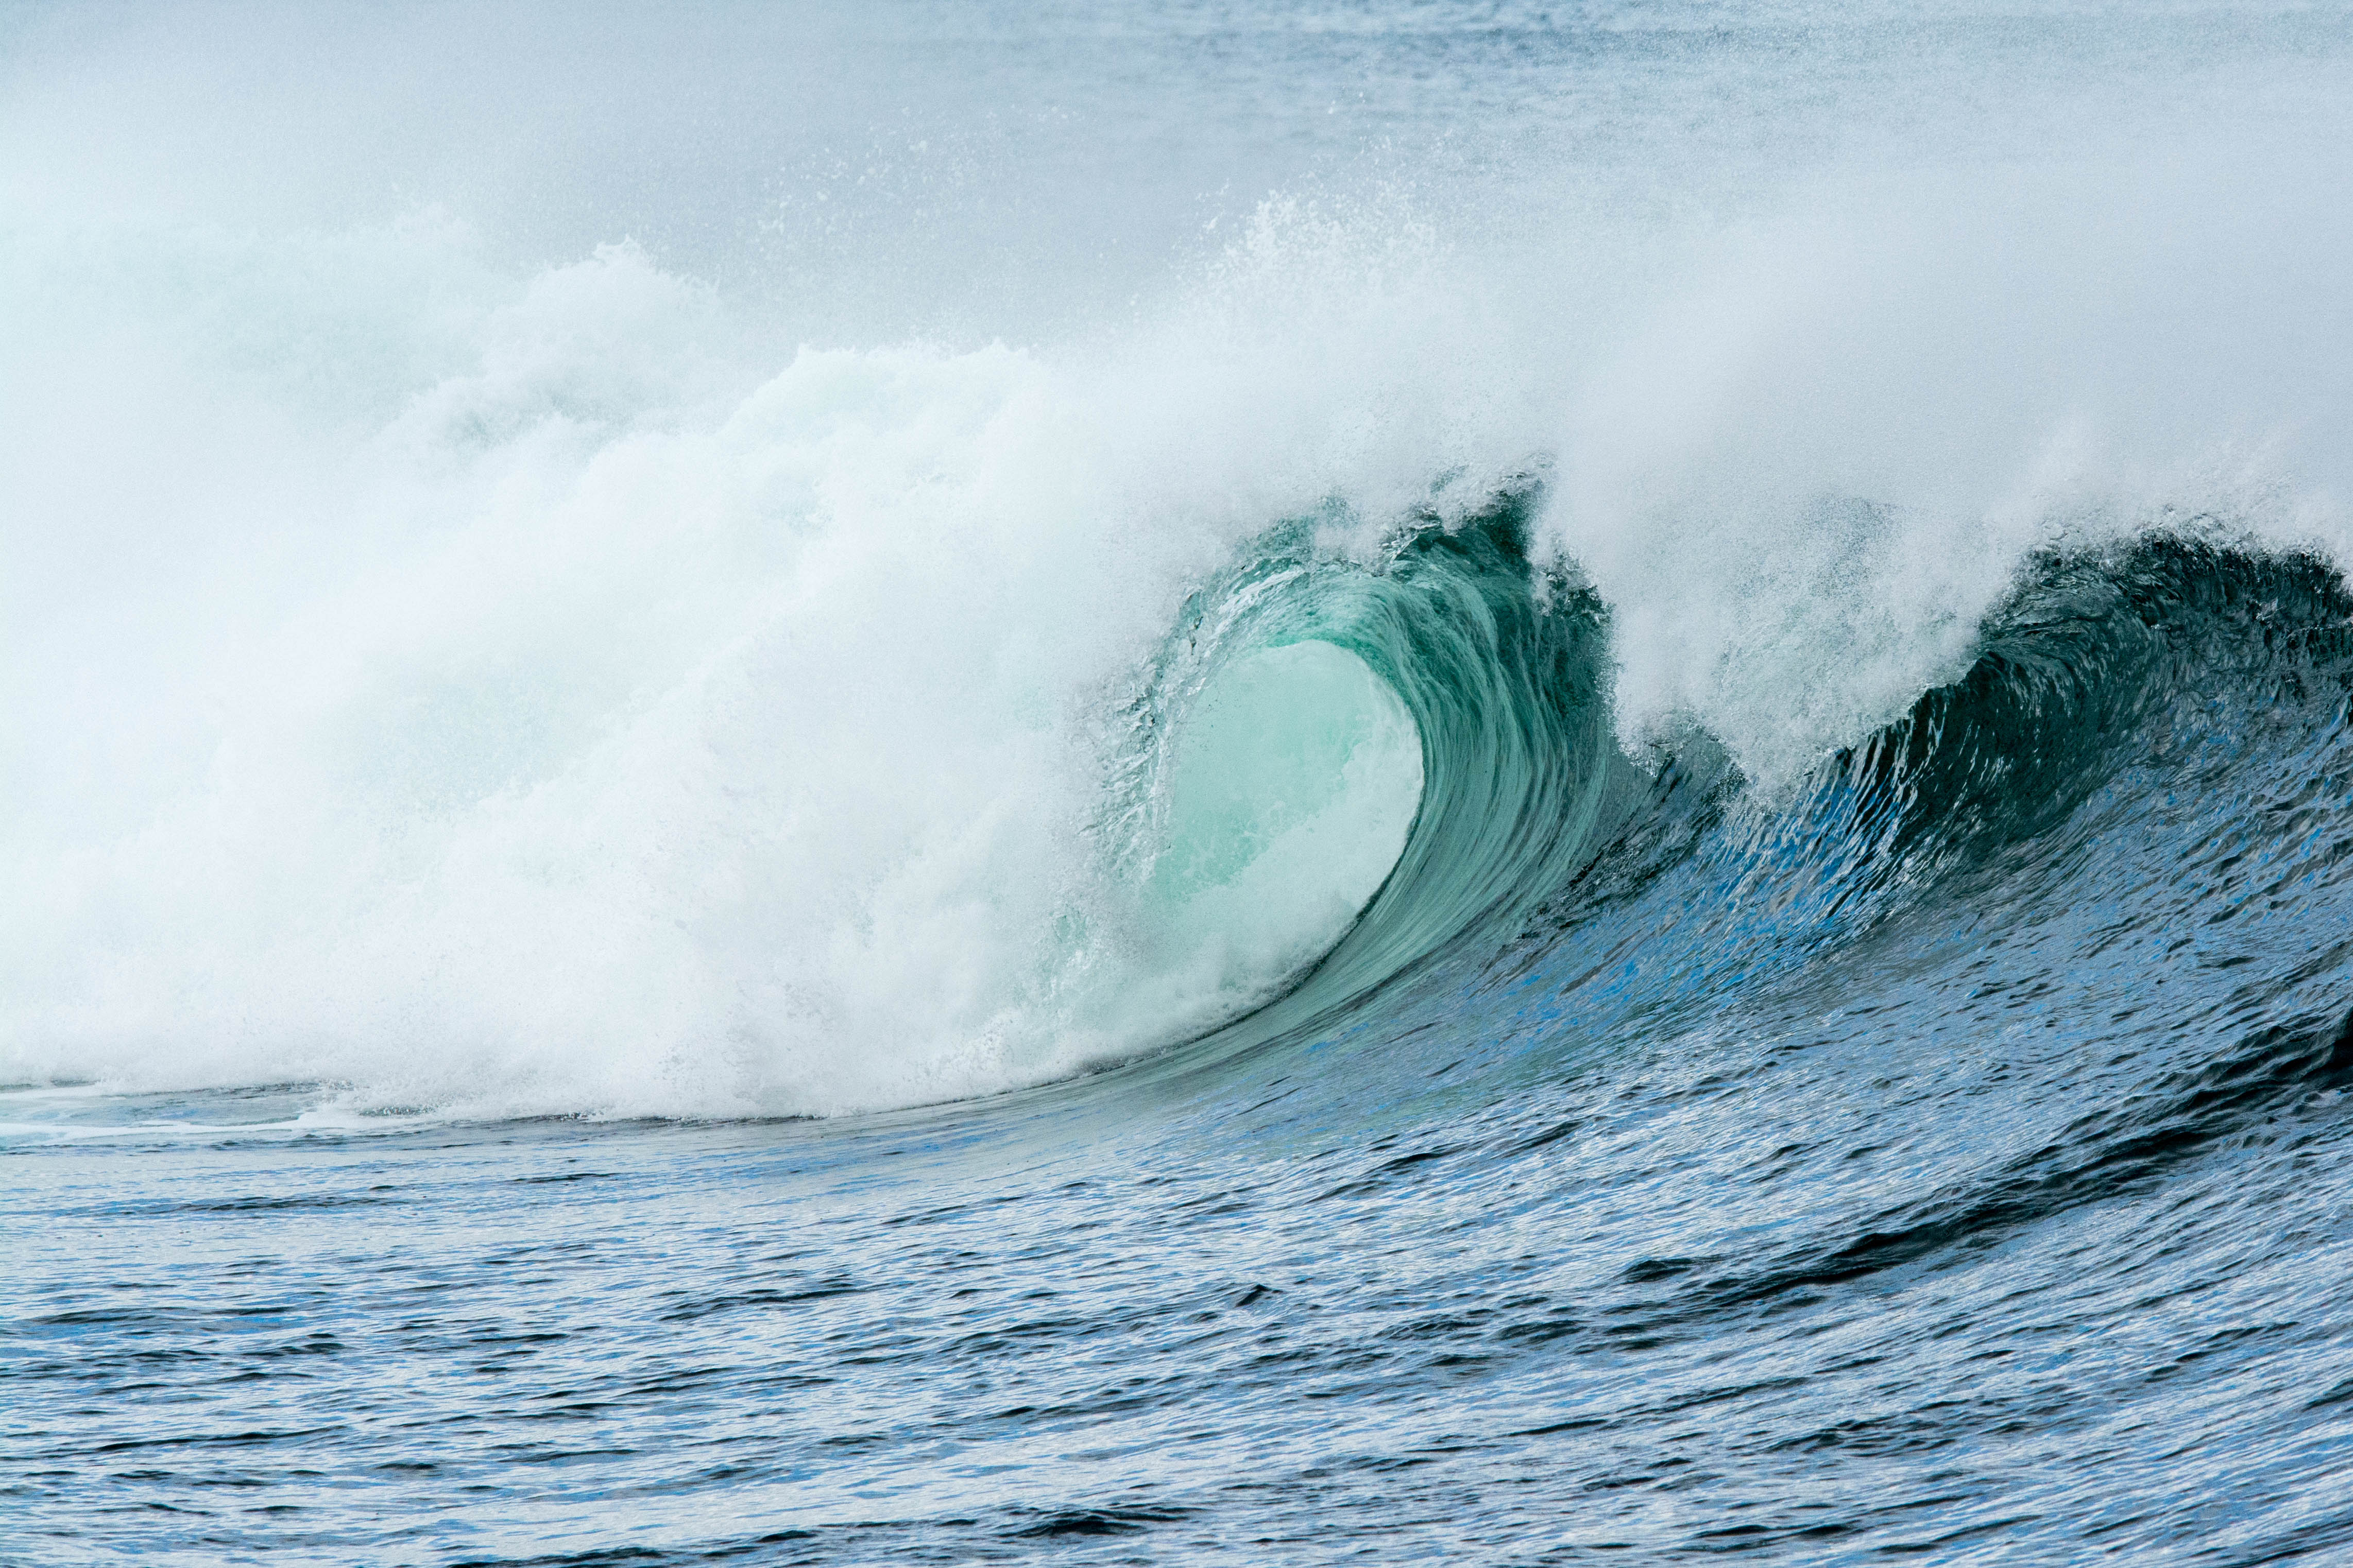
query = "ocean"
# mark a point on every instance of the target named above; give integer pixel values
(1228, 781)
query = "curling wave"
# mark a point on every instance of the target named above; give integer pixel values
(2146, 752)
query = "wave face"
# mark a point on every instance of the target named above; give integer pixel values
(2141, 719)
(949, 782)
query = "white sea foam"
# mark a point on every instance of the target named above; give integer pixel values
(510, 687)
(590, 734)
